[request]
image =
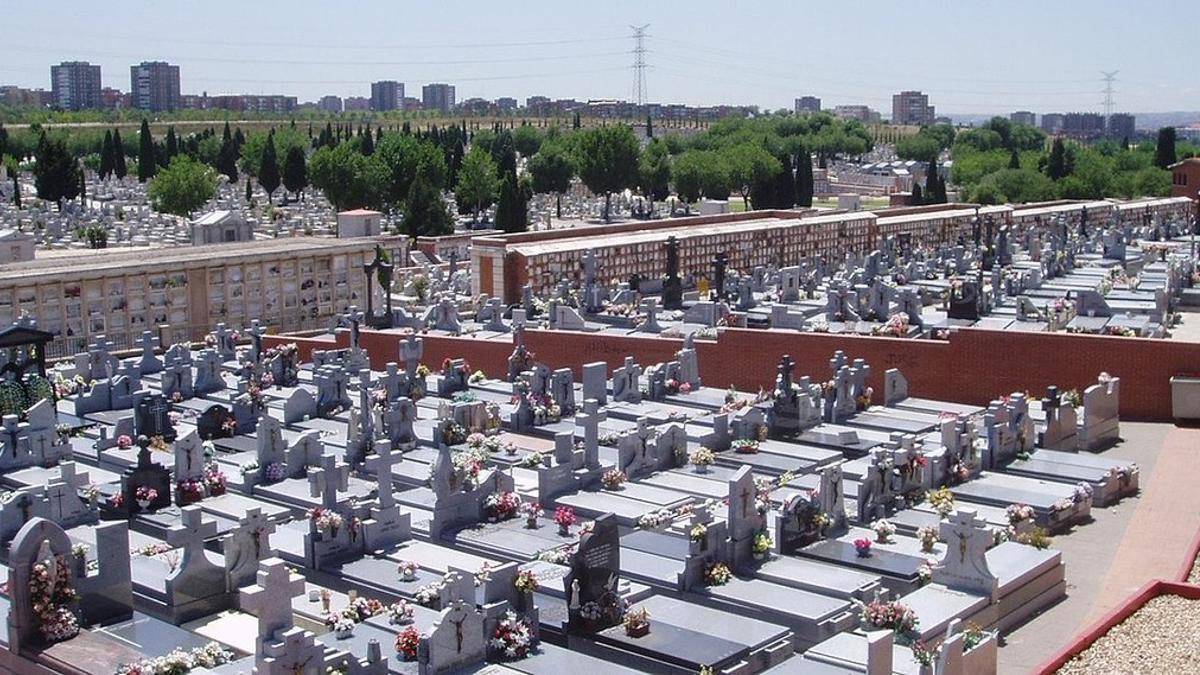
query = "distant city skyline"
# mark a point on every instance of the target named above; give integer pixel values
(969, 58)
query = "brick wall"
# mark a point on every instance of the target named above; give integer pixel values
(974, 366)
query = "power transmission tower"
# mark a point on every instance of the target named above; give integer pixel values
(639, 63)
(1109, 78)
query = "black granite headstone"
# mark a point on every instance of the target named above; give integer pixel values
(594, 602)
(210, 423)
(152, 417)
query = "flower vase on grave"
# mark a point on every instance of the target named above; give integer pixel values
(531, 522)
(79, 566)
(564, 530)
(143, 504)
(344, 631)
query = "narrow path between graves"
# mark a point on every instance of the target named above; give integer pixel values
(1128, 543)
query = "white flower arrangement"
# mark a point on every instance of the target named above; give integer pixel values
(883, 530)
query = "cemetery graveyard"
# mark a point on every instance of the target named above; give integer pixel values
(277, 515)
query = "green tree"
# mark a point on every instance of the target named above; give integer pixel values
(512, 214)
(918, 147)
(649, 126)
(348, 179)
(367, 145)
(106, 155)
(172, 143)
(688, 174)
(1056, 167)
(119, 166)
(527, 140)
(608, 161)
(552, 171)
(146, 162)
(424, 210)
(654, 172)
(268, 171)
(804, 180)
(249, 190)
(785, 184)
(184, 186)
(477, 181)
(1014, 160)
(56, 172)
(404, 156)
(295, 171)
(750, 163)
(918, 196)
(1164, 153)
(1013, 186)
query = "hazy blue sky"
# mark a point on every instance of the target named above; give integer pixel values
(970, 56)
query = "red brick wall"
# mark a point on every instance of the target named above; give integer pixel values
(975, 366)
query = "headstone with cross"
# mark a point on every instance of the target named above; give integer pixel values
(456, 640)
(650, 325)
(208, 373)
(248, 543)
(197, 587)
(63, 504)
(964, 566)
(590, 420)
(626, 382)
(189, 457)
(327, 480)
(177, 379)
(256, 333)
(393, 382)
(270, 599)
(495, 317)
(226, 345)
(743, 518)
(149, 363)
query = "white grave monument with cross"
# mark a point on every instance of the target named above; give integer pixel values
(386, 525)
(197, 587)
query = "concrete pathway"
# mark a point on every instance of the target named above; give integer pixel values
(1128, 544)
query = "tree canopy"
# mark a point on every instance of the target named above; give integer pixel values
(184, 186)
(607, 159)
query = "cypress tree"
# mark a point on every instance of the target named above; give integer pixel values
(1164, 154)
(785, 184)
(268, 171)
(804, 179)
(1056, 167)
(239, 138)
(249, 190)
(295, 170)
(16, 191)
(649, 126)
(1014, 160)
(378, 134)
(931, 183)
(576, 124)
(106, 155)
(917, 197)
(119, 166)
(146, 165)
(511, 215)
(367, 144)
(172, 144)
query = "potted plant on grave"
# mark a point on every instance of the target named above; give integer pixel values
(862, 546)
(407, 643)
(717, 574)
(145, 495)
(942, 500)
(698, 534)
(637, 622)
(761, 545)
(565, 517)
(531, 511)
(408, 570)
(214, 480)
(527, 582)
(703, 458)
(501, 506)
(190, 491)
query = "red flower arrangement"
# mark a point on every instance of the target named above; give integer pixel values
(407, 643)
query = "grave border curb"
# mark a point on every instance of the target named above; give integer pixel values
(1152, 589)
(1185, 568)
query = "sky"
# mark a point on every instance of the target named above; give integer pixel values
(971, 57)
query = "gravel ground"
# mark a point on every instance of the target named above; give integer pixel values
(1194, 577)
(1161, 637)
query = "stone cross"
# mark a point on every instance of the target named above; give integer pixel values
(256, 333)
(381, 463)
(325, 482)
(411, 351)
(270, 599)
(590, 420)
(190, 534)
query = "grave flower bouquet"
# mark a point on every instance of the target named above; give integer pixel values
(556, 556)
(531, 511)
(883, 530)
(1083, 492)
(274, 472)
(191, 490)
(453, 434)
(325, 519)
(864, 400)
(502, 506)
(761, 544)
(925, 570)
(145, 493)
(379, 399)
(862, 546)
(565, 517)
(477, 377)
(361, 609)
(717, 574)
(512, 638)
(91, 493)
(698, 532)
(407, 643)
(923, 654)
(527, 582)
(613, 479)
(745, 446)
(637, 622)
(400, 613)
(532, 460)
(124, 442)
(407, 568)
(655, 519)
(928, 536)
(892, 615)
(214, 479)
(428, 594)
(1072, 398)
(942, 500)
(179, 661)
(703, 457)
(1018, 513)
(51, 596)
